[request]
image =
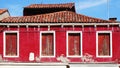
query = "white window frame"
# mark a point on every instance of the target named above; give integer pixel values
(4, 42)
(80, 43)
(41, 43)
(110, 32)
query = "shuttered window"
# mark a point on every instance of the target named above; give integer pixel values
(104, 45)
(47, 44)
(74, 48)
(10, 44)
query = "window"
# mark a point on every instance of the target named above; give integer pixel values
(47, 44)
(104, 44)
(74, 44)
(11, 44)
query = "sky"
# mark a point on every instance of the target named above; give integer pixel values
(93, 8)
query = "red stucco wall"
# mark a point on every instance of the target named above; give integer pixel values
(29, 41)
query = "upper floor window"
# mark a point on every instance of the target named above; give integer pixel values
(74, 44)
(11, 44)
(47, 44)
(104, 43)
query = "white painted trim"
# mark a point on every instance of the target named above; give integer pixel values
(33, 64)
(80, 43)
(41, 43)
(110, 44)
(52, 24)
(4, 43)
(94, 65)
(62, 64)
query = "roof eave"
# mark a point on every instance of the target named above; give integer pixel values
(57, 24)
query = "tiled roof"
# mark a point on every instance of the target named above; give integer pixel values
(56, 17)
(65, 5)
(2, 10)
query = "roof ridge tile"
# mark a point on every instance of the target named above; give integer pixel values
(61, 5)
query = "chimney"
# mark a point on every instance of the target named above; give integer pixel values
(113, 19)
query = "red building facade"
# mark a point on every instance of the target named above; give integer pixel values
(59, 35)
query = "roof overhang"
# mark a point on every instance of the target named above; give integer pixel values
(60, 24)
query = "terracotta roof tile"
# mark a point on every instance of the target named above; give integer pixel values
(2, 10)
(66, 5)
(56, 17)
